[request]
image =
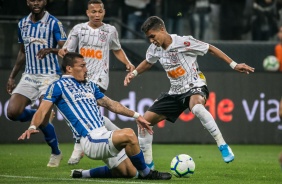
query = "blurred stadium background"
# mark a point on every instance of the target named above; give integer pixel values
(244, 106)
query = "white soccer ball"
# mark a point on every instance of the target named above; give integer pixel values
(271, 63)
(182, 166)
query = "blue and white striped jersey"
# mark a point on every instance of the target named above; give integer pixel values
(43, 34)
(77, 102)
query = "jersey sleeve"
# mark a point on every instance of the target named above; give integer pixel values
(195, 46)
(72, 41)
(98, 94)
(59, 32)
(53, 93)
(20, 39)
(114, 44)
(150, 56)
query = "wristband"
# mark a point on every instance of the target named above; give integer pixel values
(136, 115)
(32, 127)
(233, 64)
(135, 73)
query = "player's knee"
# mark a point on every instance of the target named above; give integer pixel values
(12, 114)
(130, 135)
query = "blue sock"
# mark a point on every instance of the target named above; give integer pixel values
(139, 163)
(100, 172)
(51, 138)
(26, 115)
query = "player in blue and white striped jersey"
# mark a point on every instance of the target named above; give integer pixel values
(39, 30)
(77, 99)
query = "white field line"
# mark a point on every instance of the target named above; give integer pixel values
(76, 180)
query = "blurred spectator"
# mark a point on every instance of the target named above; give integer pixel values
(199, 18)
(174, 13)
(278, 48)
(57, 7)
(232, 19)
(113, 12)
(265, 19)
(137, 11)
(77, 7)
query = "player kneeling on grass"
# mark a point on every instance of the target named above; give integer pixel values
(78, 100)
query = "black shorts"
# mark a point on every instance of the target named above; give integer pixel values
(171, 106)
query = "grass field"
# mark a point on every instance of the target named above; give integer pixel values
(26, 163)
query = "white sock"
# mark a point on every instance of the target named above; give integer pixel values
(110, 125)
(86, 174)
(145, 142)
(208, 122)
(77, 146)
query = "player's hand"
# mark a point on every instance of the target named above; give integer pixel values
(10, 85)
(130, 67)
(27, 133)
(128, 78)
(144, 124)
(62, 52)
(243, 68)
(43, 52)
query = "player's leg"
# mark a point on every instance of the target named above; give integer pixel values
(51, 139)
(197, 107)
(77, 153)
(16, 110)
(116, 167)
(120, 143)
(145, 139)
(126, 138)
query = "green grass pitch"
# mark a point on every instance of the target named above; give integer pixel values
(258, 164)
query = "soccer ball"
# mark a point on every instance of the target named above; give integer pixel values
(271, 63)
(182, 166)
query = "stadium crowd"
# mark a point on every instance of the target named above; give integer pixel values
(204, 19)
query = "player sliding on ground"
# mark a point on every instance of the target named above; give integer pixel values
(78, 99)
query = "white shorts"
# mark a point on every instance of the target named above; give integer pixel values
(33, 86)
(98, 145)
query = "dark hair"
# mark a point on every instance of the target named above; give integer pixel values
(95, 2)
(153, 22)
(69, 60)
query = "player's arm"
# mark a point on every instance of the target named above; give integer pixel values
(37, 119)
(121, 56)
(142, 67)
(19, 63)
(240, 67)
(43, 52)
(118, 108)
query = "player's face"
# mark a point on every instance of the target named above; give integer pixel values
(36, 6)
(96, 13)
(79, 70)
(156, 36)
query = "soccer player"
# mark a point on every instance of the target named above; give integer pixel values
(36, 31)
(94, 40)
(78, 99)
(178, 56)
